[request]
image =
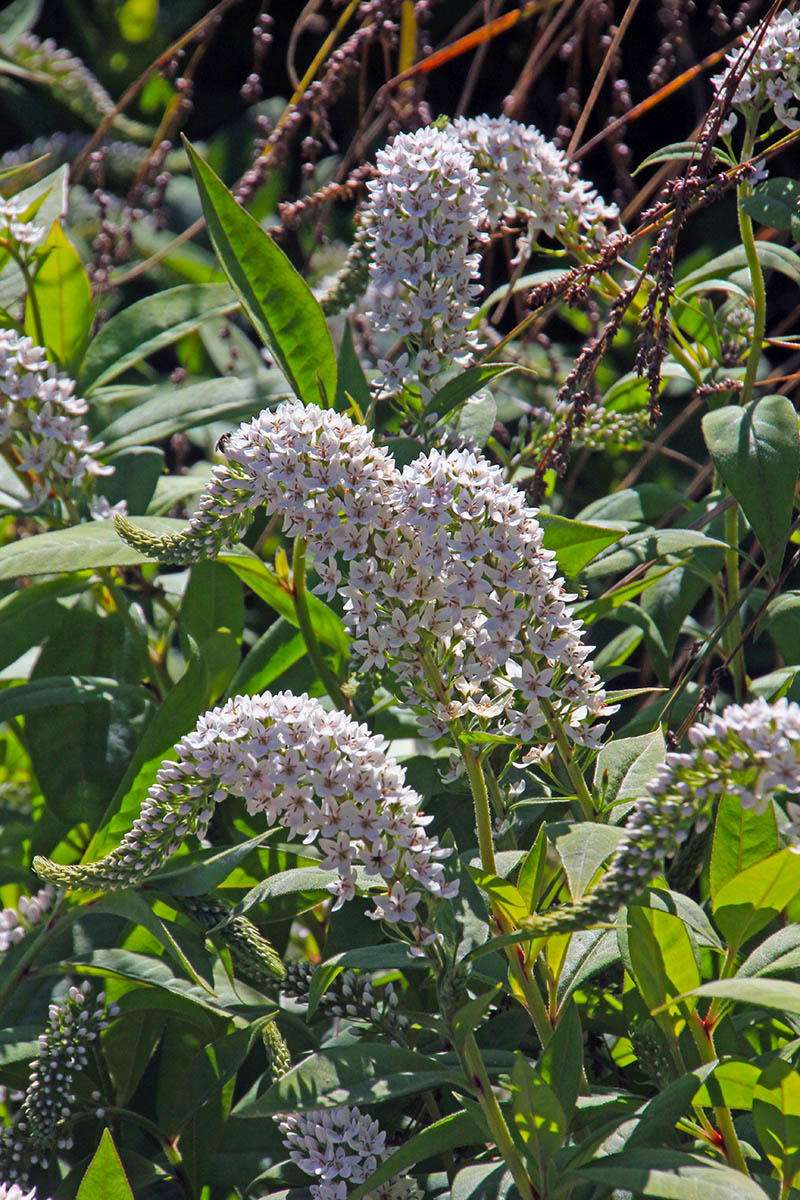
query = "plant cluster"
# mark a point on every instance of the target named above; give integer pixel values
(396, 721)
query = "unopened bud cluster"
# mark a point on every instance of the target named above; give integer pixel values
(748, 752)
(341, 1148)
(75, 1023)
(40, 426)
(448, 587)
(249, 949)
(15, 923)
(351, 996)
(318, 774)
(771, 79)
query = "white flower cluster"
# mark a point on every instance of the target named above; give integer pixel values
(341, 1147)
(527, 177)
(74, 1024)
(425, 205)
(748, 751)
(444, 561)
(435, 191)
(40, 423)
(15, 923)
(13, 1191)
(771, 79)
(318, 774)
(25, 234)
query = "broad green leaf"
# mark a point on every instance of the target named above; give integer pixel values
(266, 584)
(760, 993)
(502, 894)
(662, 958)
(58, 312)
(771, 256)
(779, 952)
(672, 1175)
(539, 1119)
(754, 897)
(756, 450)
(362, 1074)
(645, 547)
(128, 1046)
(561, 1063)
(640, 505)
(782, 622)
(450, 1133)
(28, 615)
(275, 652)
(149, 325)
(776, 1113)
(457, 391)
(136, 475)
(275, 297)
(204, 870)
(18, 17)
(532, 872)
(590, 951)
(168, 410)
(583, 848)
(732, 1083)
(773, 203)
(58, 690)
(105, 1179)
(742, 838)
(625, 766)
(672, 597)
(674, 152)
(80, 751)
(483, 1181)
(470, 1015)
(575, 543)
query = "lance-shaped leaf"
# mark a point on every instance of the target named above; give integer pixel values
(277, 300)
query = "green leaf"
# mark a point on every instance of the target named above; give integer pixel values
(674, 152)
(448, 1134)
(771, 256)
(754, 897)
(388, 956)
(756, 450)
(18, 17)
(58, 311)
(561, 1063)
(275, 297)
(732, 1083)
(773, 203)
(575, 543)
(469, 1016)
(776, 1113)
(57, 690)
(662, 958)
(168, 410)
(539, 1119)
(79, 548)
(149, 325)
(760, 993)
(779, 952)
(641, 505)
(136, 475)
(362, 1074)
(672, 1175)
(782, 622)
(105, 1179)
(275, 652)
(645, 547)
(484, 1181)
(29, 615)
(266, 584)
(742, 837)
(626, 765)
(583, 848)
(457, 391)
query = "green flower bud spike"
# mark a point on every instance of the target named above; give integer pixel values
(250, 950)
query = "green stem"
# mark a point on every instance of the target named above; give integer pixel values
(730, 1140)
(476, 1072)
(480, 800)
(584, 809)
(733, 631)
(326, 675)
(756, 279)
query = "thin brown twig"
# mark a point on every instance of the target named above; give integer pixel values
(601, 76)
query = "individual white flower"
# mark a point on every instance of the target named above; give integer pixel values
(15, 923)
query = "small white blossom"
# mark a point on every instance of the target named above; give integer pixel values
(771, 80)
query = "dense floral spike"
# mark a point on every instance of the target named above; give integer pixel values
(280, 1060)
(341, 1147)
(771, 81)
(15, 923)
(74, 1024)
(49, 448)
(296, 461)
(749, 752)
(250, 950)
(425, 206)
(353, 279)
(318, 774)
(527, 177)
(446, 567)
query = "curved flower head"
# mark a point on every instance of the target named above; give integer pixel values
(748, 752)
(318, 774)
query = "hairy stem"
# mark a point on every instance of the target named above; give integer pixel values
(733, 1151)
(584, 808)
(476, 1072)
